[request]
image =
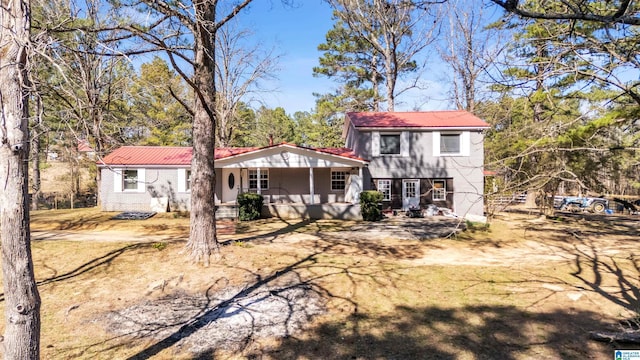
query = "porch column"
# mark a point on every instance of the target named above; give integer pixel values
(360, 183)
(355, 187)
(311, 186)
(259, 182)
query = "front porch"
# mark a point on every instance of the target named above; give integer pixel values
(293, 180)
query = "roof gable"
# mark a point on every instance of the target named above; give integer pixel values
(422, 119)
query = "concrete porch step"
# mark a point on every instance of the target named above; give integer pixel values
(227, 212)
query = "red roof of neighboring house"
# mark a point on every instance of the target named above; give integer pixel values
(83, 146)
(423, 119)
(174, 155)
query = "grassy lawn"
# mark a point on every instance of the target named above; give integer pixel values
(526, 288)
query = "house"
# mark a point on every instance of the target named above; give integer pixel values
(421, 158)
(85, 149)
(413, 158)
(294, 180)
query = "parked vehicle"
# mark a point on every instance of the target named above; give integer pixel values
(592, 204)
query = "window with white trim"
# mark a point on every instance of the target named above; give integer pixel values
(130, 179)
(338, 180)
(384, 186)
(451, 143)
(253, 179)
(184, 180)
(439, 190)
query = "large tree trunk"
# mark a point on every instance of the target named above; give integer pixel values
(202, 235)
(22, 301)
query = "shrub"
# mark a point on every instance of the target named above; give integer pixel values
(370, 202)
(250, 206)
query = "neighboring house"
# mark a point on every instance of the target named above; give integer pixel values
(85, 149)
(420, 158)
(413, 158)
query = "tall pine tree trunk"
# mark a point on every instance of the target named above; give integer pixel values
(202, 235)
(22, 301)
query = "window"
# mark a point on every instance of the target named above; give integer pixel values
(130, 180)
(452, 143)
(439, 192)
(390, 144)
(338, 180)
(184, 180)
(449, 143)
(253, 179)
(384, 186)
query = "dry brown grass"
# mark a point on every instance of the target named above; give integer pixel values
(527, 288)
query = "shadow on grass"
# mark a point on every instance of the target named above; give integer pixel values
(578, 225)
(251, 231)
(595, 271)
(93, 264)
(214, 309)
(478, 332)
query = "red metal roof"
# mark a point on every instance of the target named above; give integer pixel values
(83, 146)
(149, 155)
(344, 152)
(181, 156)
(423, 119)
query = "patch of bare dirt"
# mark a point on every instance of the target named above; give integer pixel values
(226, 320)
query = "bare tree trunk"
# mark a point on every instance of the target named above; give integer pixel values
(22, 301)
(375, 75)
(202, 233)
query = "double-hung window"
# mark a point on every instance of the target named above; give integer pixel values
(253, 179)
(449, 143)
(130, 180)
(338, 180)
(384, 186)
(439, 191)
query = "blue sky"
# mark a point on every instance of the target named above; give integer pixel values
(295, 32)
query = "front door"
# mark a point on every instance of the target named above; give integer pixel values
(410, 194)
(230, 185)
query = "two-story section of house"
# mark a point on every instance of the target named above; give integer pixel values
(421, 158)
